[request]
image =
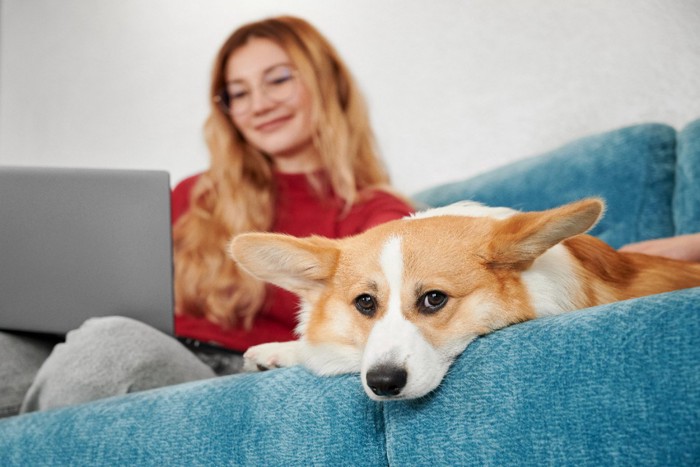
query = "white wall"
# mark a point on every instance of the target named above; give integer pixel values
(455, 87)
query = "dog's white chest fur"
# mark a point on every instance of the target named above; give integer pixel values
(551, 282)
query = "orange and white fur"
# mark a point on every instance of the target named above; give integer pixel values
(401, 301)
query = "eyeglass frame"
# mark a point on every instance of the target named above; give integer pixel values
(223, 99)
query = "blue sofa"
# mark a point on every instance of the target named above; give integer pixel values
(612, 385)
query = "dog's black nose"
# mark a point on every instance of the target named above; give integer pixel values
(386, 380)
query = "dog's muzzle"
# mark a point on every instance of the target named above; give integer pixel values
(386, 380)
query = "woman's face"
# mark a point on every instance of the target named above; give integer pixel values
(270, 105)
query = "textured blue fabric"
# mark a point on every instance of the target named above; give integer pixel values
(282, 417)
(618, 384)
(686, 201)
(632, 168)
(612, 385)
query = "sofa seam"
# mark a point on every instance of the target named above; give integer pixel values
(643, 204)
(385, 435)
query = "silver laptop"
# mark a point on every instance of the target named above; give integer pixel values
(80, 243)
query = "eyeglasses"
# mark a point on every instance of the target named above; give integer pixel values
(278, 84)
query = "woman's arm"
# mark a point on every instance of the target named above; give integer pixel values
(683, 247)
(377, 208)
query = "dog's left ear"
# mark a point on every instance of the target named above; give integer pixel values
(300, 265)
(522, 238)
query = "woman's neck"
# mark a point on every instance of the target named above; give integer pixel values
(302, 160)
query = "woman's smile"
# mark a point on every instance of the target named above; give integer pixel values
(273, 124)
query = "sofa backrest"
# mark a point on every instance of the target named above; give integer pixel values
(686, 199)
(632, 168)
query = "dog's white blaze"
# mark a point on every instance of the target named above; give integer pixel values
(396, 341)
(391, 261)
(551, 282)
(392, 331)
(393, 328)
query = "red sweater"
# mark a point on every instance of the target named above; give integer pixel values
(301, 213)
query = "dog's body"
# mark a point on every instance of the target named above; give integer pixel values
(401, 301)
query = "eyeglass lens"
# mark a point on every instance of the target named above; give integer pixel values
(278, 84)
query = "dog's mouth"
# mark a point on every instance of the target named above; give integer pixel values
(399, 363)
(400, 375)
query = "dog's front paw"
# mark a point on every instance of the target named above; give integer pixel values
(273, 355)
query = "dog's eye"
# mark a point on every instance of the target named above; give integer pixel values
(366, 304)
(431, 302)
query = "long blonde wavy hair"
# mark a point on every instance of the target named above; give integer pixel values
(237, 193)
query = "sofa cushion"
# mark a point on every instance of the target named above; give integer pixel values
(617, 384)
(632, 168)
(281, 417)
(686, 200)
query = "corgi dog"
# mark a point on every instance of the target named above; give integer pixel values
(399, 302)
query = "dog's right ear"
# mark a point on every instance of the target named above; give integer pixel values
(300, 265)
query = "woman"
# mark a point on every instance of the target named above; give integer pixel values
(291, 151)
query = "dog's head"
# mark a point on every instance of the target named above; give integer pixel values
(411, 294)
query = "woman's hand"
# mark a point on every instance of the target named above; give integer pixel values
(683, 247)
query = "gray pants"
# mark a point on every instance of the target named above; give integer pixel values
(104, 357)
(21, 355)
